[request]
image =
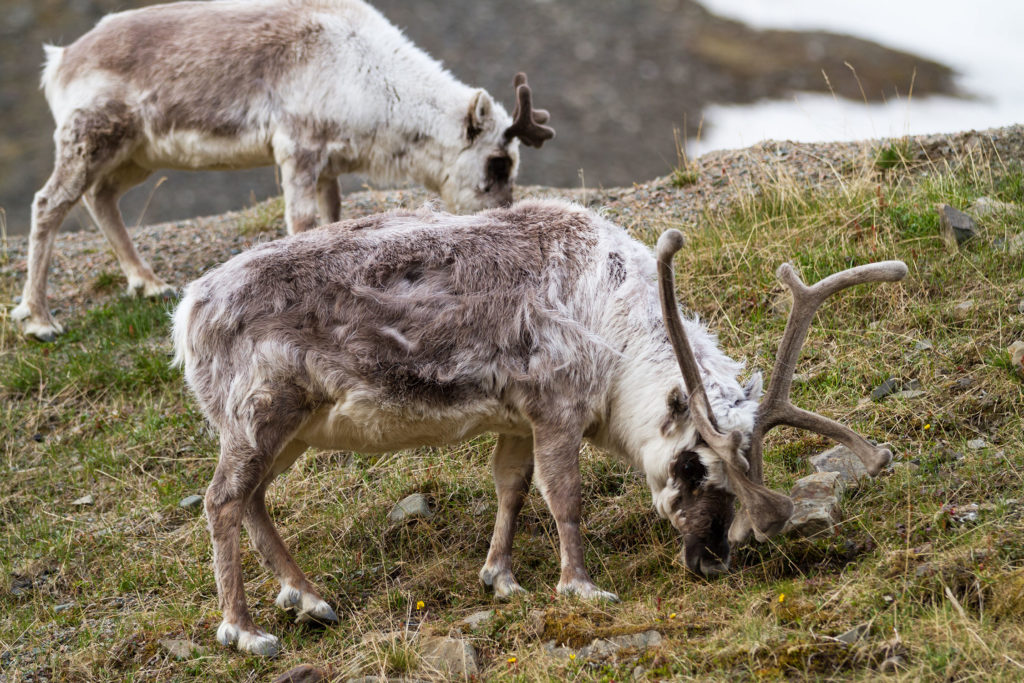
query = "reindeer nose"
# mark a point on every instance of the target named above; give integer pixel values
(713, 568)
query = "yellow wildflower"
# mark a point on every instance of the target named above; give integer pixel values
(572, 656)
(511, 660)
(420, 604)
(672, 616)
(782, 597)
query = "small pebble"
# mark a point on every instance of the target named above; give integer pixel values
(191, 502)
(64, 607)
(977, 444)
(84, 500)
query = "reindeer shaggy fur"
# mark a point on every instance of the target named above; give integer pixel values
(318, 87)
(540, 322)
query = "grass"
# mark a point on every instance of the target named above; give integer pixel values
(86, 591)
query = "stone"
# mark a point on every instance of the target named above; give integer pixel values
(887, 387)
(63, 607)
(1020, 306)
(843, 462)
(191, 502)
(955, 226)
(410, 507)
(602, 648)
(304, 673)
(1016, 351)
(477, 620)
(84, 500)
(923, 345)
(908, 394)
(962, 310)
(535, 621)
(181, 649)
(448, 656)
(977, 444)
(854, 634)
(986, 206)
(815, 505)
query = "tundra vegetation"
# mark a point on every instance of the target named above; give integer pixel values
(100, 563)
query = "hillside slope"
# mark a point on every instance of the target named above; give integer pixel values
(100, 566)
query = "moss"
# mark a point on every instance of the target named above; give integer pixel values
(1006, 596)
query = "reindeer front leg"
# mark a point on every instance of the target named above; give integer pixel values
(557, 459)
(512, 466)
(301, 165)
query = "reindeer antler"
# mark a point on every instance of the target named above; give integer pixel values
(769, 508)
(765, 511)
(527, 122)
(775, 408)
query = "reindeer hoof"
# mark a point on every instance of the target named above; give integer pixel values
(501, 582)
(45, 331)
(587, 591)
(320, 613)
(253, 642)
(311, 608)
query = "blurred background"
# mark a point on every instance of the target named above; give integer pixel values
(631, 84)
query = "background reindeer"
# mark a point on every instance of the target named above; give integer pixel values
(540, 322)
(318, 87)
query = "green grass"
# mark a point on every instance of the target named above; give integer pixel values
(100, 412)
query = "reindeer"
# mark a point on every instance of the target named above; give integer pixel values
(540, 322)
(318, 87)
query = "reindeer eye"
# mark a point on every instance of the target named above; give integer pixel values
(689, 468)
(498, 169)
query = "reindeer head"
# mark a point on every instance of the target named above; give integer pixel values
(484, 172)
(727, 462)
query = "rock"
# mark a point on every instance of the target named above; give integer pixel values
(1016, 351)
(535, 622)
(854, 634)
(977, 444)
(1020, 306)
(449, 656)
(962, 310)
(84, 500)
(410, 507)
(477, 620)
(924, 345)
(909, 394)
(843, 462)
(907, 465)
(181, 649)
(815, 504)
(986, 206)
(885, 388)
(956, 226)
(304, 673)
(191, 502)
(602, 648)
(63, 607)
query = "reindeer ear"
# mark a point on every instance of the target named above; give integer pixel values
(481, 111)
(754, 387)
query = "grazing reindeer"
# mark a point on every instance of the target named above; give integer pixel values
(318, 87)
(539, 322)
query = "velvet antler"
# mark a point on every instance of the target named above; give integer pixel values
(527, 122)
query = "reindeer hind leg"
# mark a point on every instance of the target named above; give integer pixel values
(512, 466)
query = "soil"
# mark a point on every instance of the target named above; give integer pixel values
(619, 77)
